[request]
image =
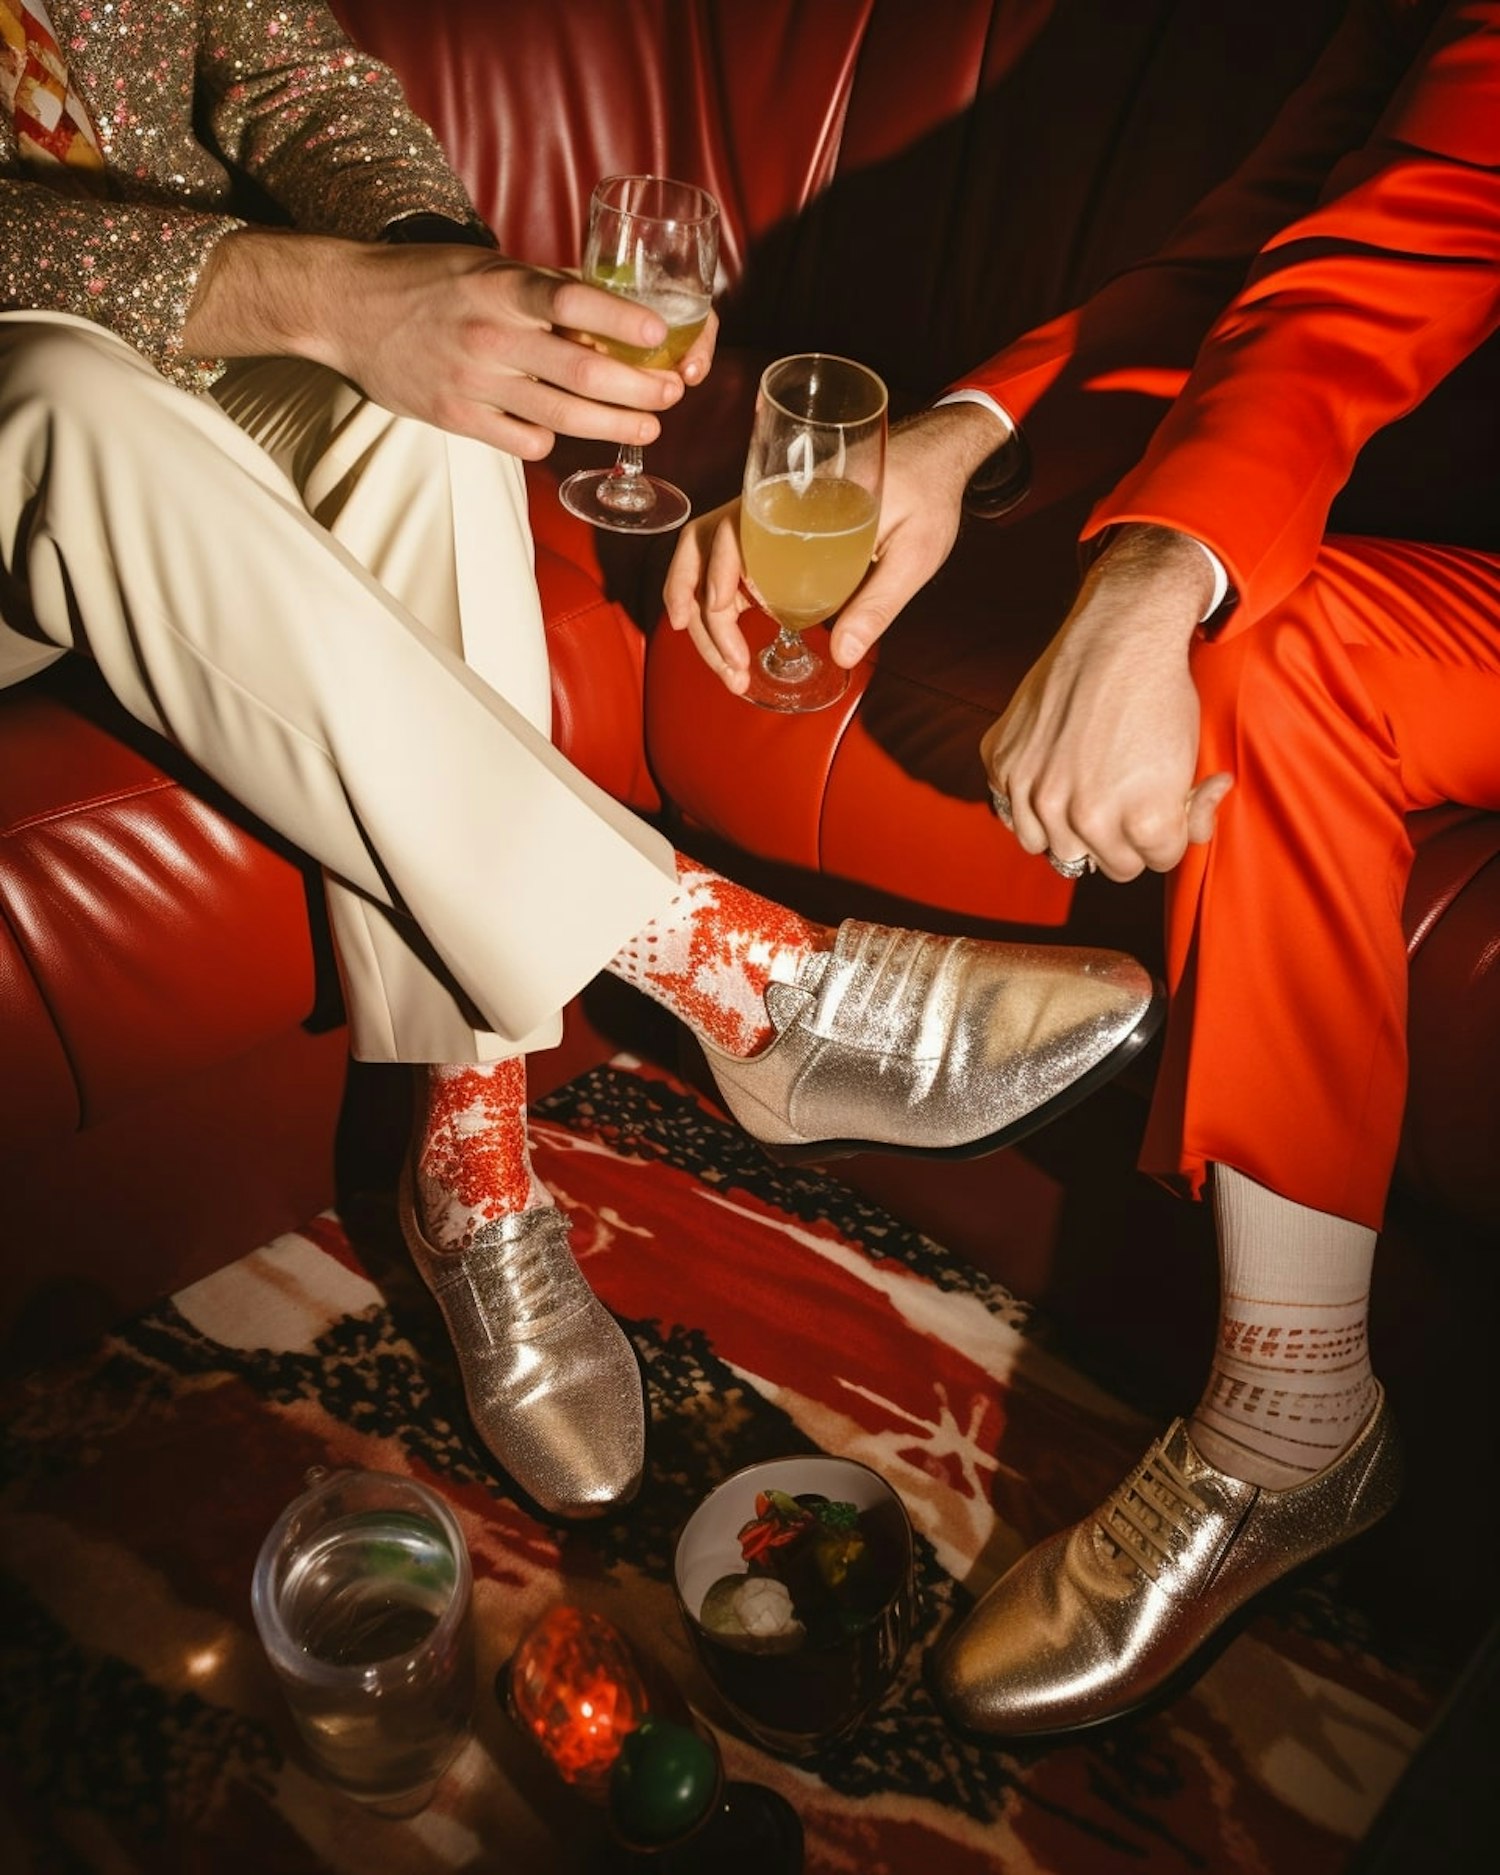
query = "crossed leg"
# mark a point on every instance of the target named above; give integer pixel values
(331, 609)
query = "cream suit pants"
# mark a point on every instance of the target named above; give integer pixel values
(333, 611)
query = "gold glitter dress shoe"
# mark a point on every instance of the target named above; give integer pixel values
(1108, 1616)
(553, 1385)
(896, 1041)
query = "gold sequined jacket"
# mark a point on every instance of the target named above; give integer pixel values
(183, 94)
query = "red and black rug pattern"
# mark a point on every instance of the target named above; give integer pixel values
(774, 1311)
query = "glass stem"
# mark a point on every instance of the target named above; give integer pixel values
(627, 489)
(629, 463)
(787, 657)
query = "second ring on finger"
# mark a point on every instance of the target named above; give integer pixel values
(1069, 868)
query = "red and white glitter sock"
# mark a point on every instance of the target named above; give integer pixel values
(712, 954)
(473, 1161)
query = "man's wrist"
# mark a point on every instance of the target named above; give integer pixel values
(266, 292)
(428, 230)
(1172, 563)
(997, 464)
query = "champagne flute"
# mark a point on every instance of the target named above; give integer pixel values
(657, 241)
(811, 501)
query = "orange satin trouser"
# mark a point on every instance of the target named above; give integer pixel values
(1374, 690)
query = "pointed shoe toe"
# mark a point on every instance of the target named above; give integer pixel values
(993, 1677)
(898, 1041)
(552, 1384)
(1123, 1609)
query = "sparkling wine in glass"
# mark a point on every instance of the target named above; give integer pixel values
(657, 241)
(811, 501)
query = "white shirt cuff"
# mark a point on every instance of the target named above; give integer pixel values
(982, 397)
(1216, 565)
(1221, 578)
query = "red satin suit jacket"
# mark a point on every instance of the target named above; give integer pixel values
(1370, 219)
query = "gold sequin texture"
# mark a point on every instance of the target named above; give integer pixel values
(318, 126)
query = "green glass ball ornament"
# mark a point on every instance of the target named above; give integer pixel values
(664, 1782)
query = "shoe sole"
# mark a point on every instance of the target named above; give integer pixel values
(1119, 1058)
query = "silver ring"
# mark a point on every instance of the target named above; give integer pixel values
(1072, 868)
(1001, 804)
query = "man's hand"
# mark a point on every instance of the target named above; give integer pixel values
(1098, 750)
(458, 336)
(704, 593)
(928, 465)
(929, 462)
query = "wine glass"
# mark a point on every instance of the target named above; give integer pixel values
(657, 241)
(811, 500)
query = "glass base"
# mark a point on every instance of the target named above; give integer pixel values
(639, 504)
(397, 1809)
(793, 685)
(398, 1805)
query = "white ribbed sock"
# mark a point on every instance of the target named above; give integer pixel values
(1291, 1383)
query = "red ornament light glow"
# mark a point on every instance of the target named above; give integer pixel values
(575, 1687)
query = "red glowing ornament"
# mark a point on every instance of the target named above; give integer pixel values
(575, 1688)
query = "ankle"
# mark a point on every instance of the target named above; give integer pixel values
(471, 1158)
(1279, 1440)
(713, 953)
(451, 1226)
(1238, 1460)
(1291, 1386)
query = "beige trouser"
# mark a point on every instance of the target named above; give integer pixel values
(333, 611)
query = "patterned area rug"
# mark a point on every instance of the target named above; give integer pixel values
(774, 1312)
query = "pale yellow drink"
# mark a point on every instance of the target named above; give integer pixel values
(806, 548)
(686, 315)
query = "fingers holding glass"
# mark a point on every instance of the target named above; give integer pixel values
(724, 601)
(704, 594)
(654, 241)
(700, 354)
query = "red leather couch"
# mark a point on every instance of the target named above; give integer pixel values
(911, 185)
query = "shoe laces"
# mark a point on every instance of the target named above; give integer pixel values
(524, 1280)
(1153, 1515)
(522, 1277)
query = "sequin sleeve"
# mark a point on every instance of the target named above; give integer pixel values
(127, 265)
(321, 127)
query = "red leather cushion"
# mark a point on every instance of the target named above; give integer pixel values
(597, 656)
(159, 934)
(38, 1095)
(746, 775)
(535, 103)
(1450, 1147)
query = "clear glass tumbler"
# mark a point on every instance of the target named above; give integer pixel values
(361, 1596)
